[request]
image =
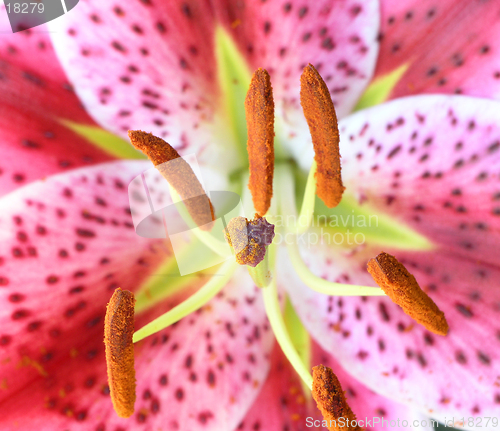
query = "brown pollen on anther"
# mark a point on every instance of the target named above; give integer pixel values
(179, 175)
(330, 399)
(118, 332)
(322, 121)
(403, 289)
(259, 109)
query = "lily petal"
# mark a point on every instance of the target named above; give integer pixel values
(339, 39)
(373, 409)
(34, 146)
(173, 91)
(381, 346)
(65, 240)
(24, 81)
(222, 361)
(282, 403)
(449, 47)
(219, 356)
(170, 90)
(33, 100)
(69, 242)
(430, 162)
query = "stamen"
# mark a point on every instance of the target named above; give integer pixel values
(259, 109)
(286, 190)
(404, 290)
(193, 303)
(179, 175)
(249, 239)
(326, 287)
(330, 398)
(219, 247)
(287, 203)
(118, 330)
(167, 280)
(308, 201)
(322, 120)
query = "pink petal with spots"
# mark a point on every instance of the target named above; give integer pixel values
(383, 348)
(69, 242)
(34, 146)
(215, 361)
(282, 403)
(152, 64)
(431, 162)
(337, 37)
(31, 76)
(204, 371)
(376, 411)
(451, 47)
(32, 100)
(65, 241)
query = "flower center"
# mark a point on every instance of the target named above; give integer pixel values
(324, 181)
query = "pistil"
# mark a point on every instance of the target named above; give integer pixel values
(249, 240)
(273, 311)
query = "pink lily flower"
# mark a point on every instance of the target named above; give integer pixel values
(426, 166)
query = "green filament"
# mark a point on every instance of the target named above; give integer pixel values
(308, 201)
(219, 247)
(278, 326)
(167, 280)
(193, 303)
(326, 287)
